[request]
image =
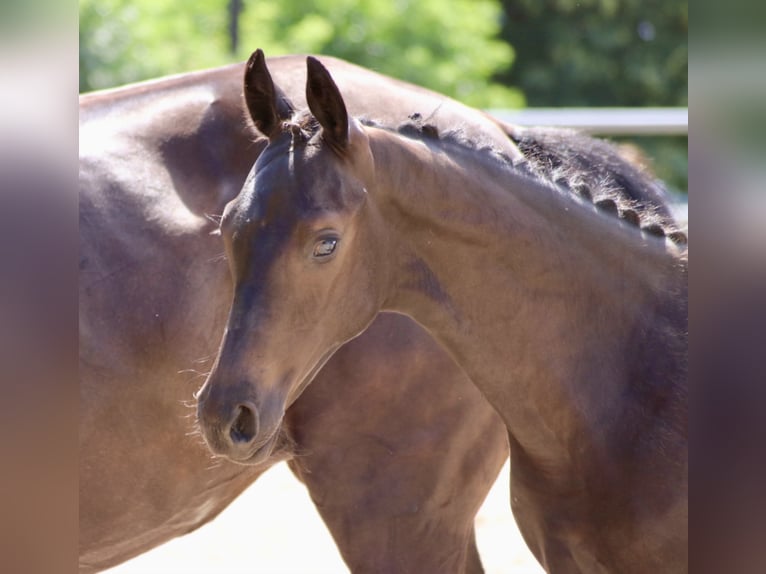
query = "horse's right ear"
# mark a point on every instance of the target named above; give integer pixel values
(268, 105)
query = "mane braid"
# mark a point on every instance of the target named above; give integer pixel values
(417, 128)
(596, 171)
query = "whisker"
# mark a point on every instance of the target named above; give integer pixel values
(195, 372)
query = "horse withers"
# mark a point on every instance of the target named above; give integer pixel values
(397, 449)
(563, 299)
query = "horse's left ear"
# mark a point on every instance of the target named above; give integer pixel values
(326, 103)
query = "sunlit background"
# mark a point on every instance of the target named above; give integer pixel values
(486, 53)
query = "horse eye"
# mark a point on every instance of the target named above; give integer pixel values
(325, 247)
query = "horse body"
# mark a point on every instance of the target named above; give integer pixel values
(570, 319)
(396, 447)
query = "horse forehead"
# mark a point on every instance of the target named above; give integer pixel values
(293, 182)
(317, 181)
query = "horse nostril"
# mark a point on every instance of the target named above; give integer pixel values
(245, 425)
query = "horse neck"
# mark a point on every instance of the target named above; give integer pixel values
(539, 297)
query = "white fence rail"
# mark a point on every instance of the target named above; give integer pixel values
(604, 121)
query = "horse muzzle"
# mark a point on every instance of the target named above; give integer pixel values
(236, 433)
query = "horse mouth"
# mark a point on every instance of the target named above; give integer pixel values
(263, 451)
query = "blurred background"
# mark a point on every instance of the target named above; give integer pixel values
(490, 54)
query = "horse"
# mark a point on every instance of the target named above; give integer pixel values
(396, 447)
(563, 301)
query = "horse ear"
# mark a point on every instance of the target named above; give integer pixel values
(326, 103)
(268, 105)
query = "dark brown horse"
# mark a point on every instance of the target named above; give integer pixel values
(563, 300)
(396, 447)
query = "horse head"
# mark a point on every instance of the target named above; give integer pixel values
(299, 247)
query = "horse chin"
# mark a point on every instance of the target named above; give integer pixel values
(262, 452)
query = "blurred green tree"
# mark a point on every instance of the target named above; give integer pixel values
(454, 50)
(125, 41)
(564, 52)
(598, 52)
(604, 53)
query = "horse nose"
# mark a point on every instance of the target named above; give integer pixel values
(229, 432)
(244, 426)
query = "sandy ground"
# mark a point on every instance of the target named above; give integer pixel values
(294, 540)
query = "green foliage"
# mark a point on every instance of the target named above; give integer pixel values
(125, 41)
(599, 52)
(604, 53)
(565, 52)
(452, 50)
